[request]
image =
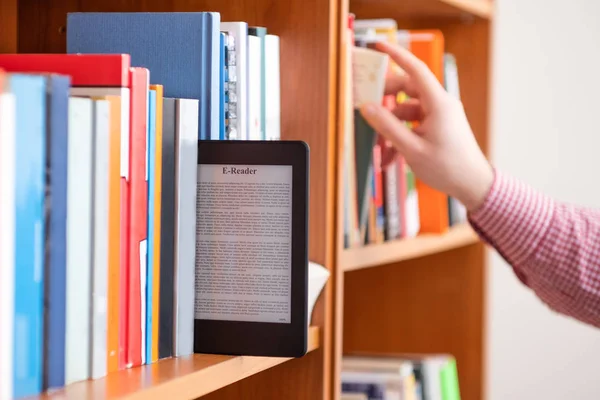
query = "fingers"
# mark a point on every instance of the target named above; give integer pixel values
(426, 83)
(410, 110)
(387, 125)
(396, 83)
(388, 156)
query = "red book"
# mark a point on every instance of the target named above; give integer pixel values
(140, 81)
(110, 70)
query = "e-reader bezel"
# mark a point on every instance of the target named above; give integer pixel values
(265, 338)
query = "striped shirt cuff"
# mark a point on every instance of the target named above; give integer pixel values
(514, 219)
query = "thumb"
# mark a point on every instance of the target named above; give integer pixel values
(387, 125)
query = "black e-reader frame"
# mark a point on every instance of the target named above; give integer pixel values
(265, 338)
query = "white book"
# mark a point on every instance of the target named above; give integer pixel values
(100, 238)
(124, 95)
(254, 88)
(79, 240)
(7, 241)
(238, 77)
(186, 166)
(272, 89)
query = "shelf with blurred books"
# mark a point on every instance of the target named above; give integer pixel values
(407, 249)
(421, 9)
(175, 378)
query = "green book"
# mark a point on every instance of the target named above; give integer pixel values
(449, 381)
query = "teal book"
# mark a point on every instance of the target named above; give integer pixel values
(151, 168)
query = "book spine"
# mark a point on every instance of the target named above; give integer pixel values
(168, 223)
(137, 211)
(185, 237)
(56, 264)
(79, 240)
(156, 243)
(114, 237)
(148, 290)
(7, 241)
(125, 227)
(100, 238)
(31, 105)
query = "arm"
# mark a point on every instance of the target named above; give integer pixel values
(554, 248)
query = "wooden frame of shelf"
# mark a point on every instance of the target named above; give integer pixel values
(176, 378)
(406, 249)
(427, 293)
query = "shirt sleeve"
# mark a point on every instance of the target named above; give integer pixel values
(553, 247)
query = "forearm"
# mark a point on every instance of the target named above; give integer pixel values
(554, 248)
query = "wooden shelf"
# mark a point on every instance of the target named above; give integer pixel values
(176, 378)
(403, 9)
(401, 250)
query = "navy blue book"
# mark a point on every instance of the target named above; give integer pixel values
(181, 50)
(57, 97)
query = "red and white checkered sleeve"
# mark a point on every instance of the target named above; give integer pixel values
(553, 247)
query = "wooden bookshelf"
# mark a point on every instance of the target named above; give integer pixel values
(402, 250)
(426, 294)
(423, 8)
(176, 378)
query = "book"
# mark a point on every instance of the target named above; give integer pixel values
(55, 267)
(166, 339)
(261, 32)
(254, 88)
(138, 208)
(181, 49)
(272, 89)
(30, 131)
(79, 239)
(100, 203)
(7, 237)
(156, 215)
(238, 119)
(186, 158)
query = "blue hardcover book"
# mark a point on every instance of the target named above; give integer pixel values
(55, 277)
(30, 94)
(222, 84)
(181, 50)
(151, 162)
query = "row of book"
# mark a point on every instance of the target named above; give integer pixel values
(411, 377)
(98, 161)
(383, 203)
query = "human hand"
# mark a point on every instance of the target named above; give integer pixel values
(441, 150)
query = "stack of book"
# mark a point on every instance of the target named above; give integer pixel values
(414, 377)
(383, 203)
(98, 161)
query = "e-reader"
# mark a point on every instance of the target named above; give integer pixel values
(252, 248)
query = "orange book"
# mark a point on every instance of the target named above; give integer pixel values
(114, 235)
(157, 216)
(428, 45)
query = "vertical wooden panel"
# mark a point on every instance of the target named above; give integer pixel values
(428, 305)
(8, 26)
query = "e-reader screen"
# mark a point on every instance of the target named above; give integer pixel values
(244, 243)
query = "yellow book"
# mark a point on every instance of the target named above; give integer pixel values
(157, 212)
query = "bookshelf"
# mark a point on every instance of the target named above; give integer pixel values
(420, 295)
(177, 378)
(403, 250)
(425, 294)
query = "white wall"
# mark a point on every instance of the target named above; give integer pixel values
(546, 130)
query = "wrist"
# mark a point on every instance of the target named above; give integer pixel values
(477, 189)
